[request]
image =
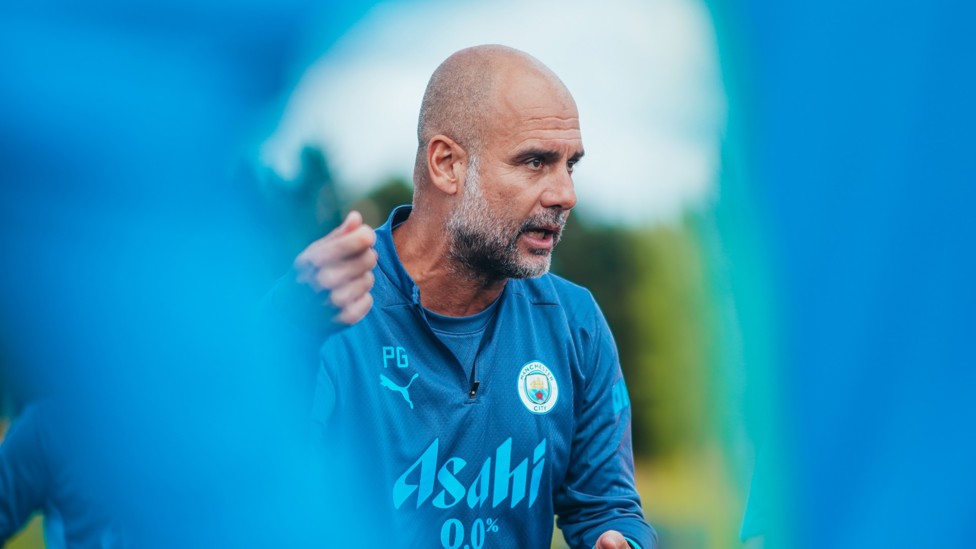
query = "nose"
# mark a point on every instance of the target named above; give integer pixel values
(559, 192)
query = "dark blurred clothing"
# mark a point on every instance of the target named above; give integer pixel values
(40, 471)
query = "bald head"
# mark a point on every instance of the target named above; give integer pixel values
(463, 94)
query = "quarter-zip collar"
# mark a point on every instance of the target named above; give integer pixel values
(393, 268)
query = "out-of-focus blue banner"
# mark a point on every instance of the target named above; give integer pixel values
(852, 145)
(132, 265)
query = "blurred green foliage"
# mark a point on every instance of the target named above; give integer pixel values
(299, 210)
(376, 205)
(650, 284)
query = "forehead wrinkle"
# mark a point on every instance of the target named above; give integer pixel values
(540, 142)
(549, 118)
(541, 128)
(516, 125)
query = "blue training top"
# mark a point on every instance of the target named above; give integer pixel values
(454, 455)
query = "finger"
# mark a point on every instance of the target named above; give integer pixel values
(348, 293)
(356, 311)
(336, 248)
(612, 539)
(353, 219)
(353, 242)
(338, 274)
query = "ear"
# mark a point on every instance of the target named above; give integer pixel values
(446, 162)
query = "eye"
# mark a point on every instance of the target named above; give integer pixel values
(570, 165)
(535, 163)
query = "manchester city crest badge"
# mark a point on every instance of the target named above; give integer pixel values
(537, 387)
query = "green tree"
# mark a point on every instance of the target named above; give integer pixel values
(651, 286)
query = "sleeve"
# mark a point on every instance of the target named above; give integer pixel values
(24, 476)
(294, 305)
(599, 492)
(290, 325)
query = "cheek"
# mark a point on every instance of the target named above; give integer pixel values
(513, 208)
(511, 193)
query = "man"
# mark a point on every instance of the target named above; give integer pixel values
(474, 395)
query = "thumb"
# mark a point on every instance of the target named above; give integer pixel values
(612, 539)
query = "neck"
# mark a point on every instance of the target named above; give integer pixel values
(446, 287)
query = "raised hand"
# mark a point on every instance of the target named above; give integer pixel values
(340, 265)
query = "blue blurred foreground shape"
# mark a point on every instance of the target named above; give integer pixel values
(849, 191)
(131, 265)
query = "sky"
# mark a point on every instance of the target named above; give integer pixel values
(644, 74)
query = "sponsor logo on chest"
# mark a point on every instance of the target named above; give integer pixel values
(494, 480)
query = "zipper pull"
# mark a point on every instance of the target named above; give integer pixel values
(474, 389)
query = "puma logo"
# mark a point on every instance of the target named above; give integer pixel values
(388, 383)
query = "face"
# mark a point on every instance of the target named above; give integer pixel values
(518, 192)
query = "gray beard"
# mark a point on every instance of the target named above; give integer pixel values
(484, 246)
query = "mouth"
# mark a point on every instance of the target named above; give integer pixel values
(542, 237)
